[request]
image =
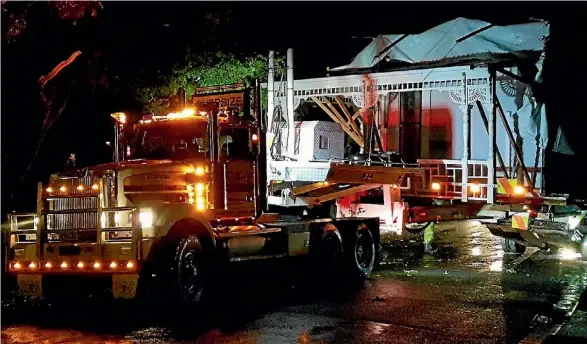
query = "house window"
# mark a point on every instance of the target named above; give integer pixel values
(323, 144)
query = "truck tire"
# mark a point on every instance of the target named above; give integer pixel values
(510, 246)
(189, 271)
(363, 253)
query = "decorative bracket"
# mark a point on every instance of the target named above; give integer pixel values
(474, 93)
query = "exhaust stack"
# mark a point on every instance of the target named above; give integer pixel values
(216, 172)
(261, 175)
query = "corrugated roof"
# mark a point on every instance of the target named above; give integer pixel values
(460, 37)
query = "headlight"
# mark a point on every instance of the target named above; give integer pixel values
(146, 219)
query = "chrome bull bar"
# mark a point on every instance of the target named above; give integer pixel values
(115, 227)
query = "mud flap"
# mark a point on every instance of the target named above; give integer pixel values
(30, 285)
(124, 286)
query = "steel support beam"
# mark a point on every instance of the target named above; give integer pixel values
(491, 130)
(466, 148)
(499, 156)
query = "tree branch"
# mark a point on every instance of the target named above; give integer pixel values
(46, 78)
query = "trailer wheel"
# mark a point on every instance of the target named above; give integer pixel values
(189, 271)
(511, 246)
(364, 252)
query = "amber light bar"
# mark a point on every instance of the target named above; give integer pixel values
(79, 188)
(73, 266)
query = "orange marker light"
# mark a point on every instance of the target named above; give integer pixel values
(95, 187)
(80, 265)
(63, 189)
(199, 171)
(436, 186)
(64, 265)
(48, 265)
(49, 189)
(113, 265)
(32, 265)
(17, 265)
(130, 265)
(254, 137)
(519, 190)
(97, 265)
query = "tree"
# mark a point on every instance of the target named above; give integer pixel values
(198, 70)
(25, 29)
(16, 14)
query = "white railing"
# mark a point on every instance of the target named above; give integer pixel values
(443, 178)
(449, 179)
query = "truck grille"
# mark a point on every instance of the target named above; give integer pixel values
(73, 203)
(81, 225)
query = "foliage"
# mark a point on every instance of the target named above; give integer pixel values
(15, 15)
(198, 70)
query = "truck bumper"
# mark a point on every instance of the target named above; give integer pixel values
(118, 286)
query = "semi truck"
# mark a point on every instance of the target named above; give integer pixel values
(185, 194)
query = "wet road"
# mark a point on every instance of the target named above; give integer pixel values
(463, 290)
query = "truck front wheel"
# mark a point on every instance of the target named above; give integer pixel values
(189, 271)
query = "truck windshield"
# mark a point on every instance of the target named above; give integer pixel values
(175, 142)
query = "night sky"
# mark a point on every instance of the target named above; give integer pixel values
(134, 36)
